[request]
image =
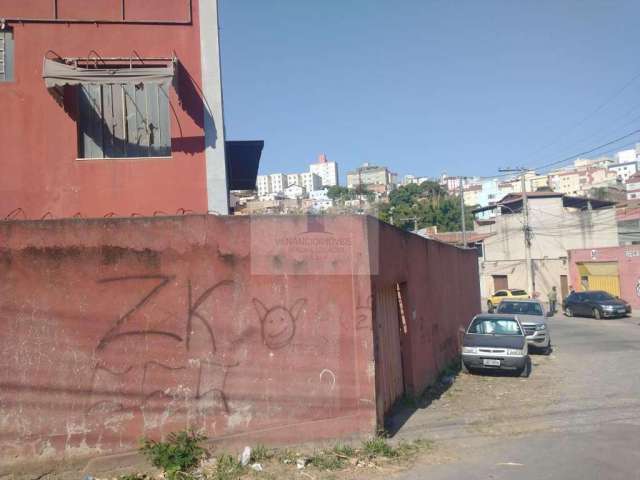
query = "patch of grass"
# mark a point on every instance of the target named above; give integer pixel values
(177, 456)
(344, 450)
(228, 468)
(287, 456)
(378, 447)
(134, 476)
(327, 460)
(261, 454)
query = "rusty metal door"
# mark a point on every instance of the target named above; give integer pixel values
(390, 383)
(564, 286)
(500, 282)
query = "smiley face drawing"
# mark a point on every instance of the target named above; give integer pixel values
(278, 324)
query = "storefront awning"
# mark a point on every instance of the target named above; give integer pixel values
(60, 72)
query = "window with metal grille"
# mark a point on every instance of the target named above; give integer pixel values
(6, 55)
(123, 121)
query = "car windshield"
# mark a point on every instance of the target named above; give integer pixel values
(495, 326)
(522, 308)
(518, 292)
(600, 296)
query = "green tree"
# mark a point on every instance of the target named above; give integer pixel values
(424, 205)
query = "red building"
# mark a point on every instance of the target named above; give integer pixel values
(111, 107)
(613, 269)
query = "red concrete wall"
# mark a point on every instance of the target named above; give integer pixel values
(442, 296)
(628, 258)
(117, 328)
(41, 173)
(248, 329)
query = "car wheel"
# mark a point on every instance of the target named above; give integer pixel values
(547, 350)
(489, 307)
(568, 312)
(596, 314)
(526, 370)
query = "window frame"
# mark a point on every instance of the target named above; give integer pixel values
(8, 56)
(113, 140)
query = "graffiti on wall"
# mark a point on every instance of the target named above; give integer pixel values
(157, 361)
(278, 323)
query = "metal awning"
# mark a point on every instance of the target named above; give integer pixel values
(243, 159)
(113, 71)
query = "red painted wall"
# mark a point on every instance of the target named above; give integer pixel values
(249, 329)
(628, 258)
(39, 139)
(115, 329)
(443, 295)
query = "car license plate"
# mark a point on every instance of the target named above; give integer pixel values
(490, 362)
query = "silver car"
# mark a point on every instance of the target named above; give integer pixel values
(531, 316)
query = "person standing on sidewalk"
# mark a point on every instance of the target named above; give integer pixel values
(553, 298)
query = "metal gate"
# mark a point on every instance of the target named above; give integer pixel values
(600, 276)
(390, 384)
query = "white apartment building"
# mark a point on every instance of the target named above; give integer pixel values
(309, 181)
(624, 170)
(625, 156)
(278, 182)
(326, 170)
(263, 185)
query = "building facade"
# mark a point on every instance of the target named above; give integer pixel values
(371, 176)
(557, 223)
(624, 170)
(326, 170)
(127, 106)
(613, 269)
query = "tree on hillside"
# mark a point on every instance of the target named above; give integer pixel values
(424, 205)
(341, 194)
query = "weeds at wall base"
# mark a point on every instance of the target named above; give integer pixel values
(176, 459)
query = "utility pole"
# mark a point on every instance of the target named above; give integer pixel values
(464, 227)
(526, 230)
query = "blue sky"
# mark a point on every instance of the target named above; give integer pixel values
(462, 86)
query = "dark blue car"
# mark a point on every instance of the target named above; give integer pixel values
(596, 303)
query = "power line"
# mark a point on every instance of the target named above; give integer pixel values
(599, 108)
(587, 152)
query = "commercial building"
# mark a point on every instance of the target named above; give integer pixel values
(112, 108)
(613, 269)
(557, 223)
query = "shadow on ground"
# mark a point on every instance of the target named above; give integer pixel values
(406, 406)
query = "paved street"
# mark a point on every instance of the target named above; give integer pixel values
(576, 417)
